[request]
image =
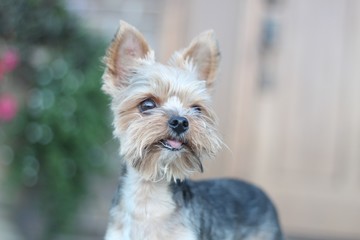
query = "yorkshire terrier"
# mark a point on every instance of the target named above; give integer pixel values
(167, 128)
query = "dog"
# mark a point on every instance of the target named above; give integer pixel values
(167, 128)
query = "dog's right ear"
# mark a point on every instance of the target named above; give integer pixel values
(203, 53)
(123, 55)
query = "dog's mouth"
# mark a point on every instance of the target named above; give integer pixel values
(172, 144)
(178, 145)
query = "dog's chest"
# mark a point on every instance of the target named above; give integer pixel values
(147, 211)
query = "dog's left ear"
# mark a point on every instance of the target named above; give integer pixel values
(125, 52)
(203, 52)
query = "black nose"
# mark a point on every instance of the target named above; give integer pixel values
(178, 124)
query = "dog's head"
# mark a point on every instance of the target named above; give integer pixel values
(162, 113)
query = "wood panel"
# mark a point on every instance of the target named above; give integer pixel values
(290, 110)
(307, 124)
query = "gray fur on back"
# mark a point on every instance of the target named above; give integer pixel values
(227, 209)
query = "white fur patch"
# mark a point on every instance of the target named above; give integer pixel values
(146, 211)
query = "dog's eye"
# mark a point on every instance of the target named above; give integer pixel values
(196, 108)
(147, 105)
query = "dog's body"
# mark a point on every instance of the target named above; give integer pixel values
(166, 128)
(186, 210)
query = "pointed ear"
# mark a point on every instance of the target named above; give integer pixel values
(203, 52)
(123, 54)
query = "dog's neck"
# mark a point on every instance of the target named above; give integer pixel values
(145, 199)
(146, 210)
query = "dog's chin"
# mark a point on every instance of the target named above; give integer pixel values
(168, 159)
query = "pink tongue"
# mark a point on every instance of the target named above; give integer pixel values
(174, 143)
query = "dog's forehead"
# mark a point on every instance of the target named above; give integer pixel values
(166, 82)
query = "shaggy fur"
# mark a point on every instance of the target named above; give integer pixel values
(167, 128)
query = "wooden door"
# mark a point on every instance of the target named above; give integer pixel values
(288, 100)
(308, 124)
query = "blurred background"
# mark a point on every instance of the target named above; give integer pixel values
(287, 98)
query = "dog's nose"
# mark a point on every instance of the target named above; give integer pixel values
(178, 124)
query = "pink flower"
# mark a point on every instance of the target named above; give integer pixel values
(2, 72)
(9, 61)
(8, 107)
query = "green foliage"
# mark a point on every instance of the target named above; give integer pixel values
(58, 137)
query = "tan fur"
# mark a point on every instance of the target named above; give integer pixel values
(203, 53)
(127, 47)
(132, 75)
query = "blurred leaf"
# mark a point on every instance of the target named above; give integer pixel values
(58, 136)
